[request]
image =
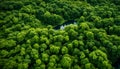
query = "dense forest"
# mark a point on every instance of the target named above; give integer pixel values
(29, 38)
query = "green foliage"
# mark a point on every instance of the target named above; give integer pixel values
(84, 26)
(66, 62)
(45, 57)
(64, 50)
(101, 59)
(90, 38)
(54, 49)
(52, 19)
(90, 35)
(38, 61)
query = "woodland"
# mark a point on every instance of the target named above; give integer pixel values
(31, 37)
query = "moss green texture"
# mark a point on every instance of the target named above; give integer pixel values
(28, 39)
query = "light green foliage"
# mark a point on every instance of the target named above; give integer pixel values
(35, 39)
(7, 43)
(75, 43)
(36, 46)
(43, 47)
(76, 67)
(54, 49)
(72, 33)
(22, 51)
(100, 58)
(82, 18)
(15, 20)
(4, 53)
(70, 47)
(66, 61)
(89, 66)
(34, 54)
(66, 38)
(58, 38)
(64, 50)
(45, 57)
(90, 35)
(10, 64)
(82, 55)
(42, 66)
(84, 61)
(84, 26)
(38, 61)
(21, 36)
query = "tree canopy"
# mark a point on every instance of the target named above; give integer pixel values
(89, 39)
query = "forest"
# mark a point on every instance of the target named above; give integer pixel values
(31, 37)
